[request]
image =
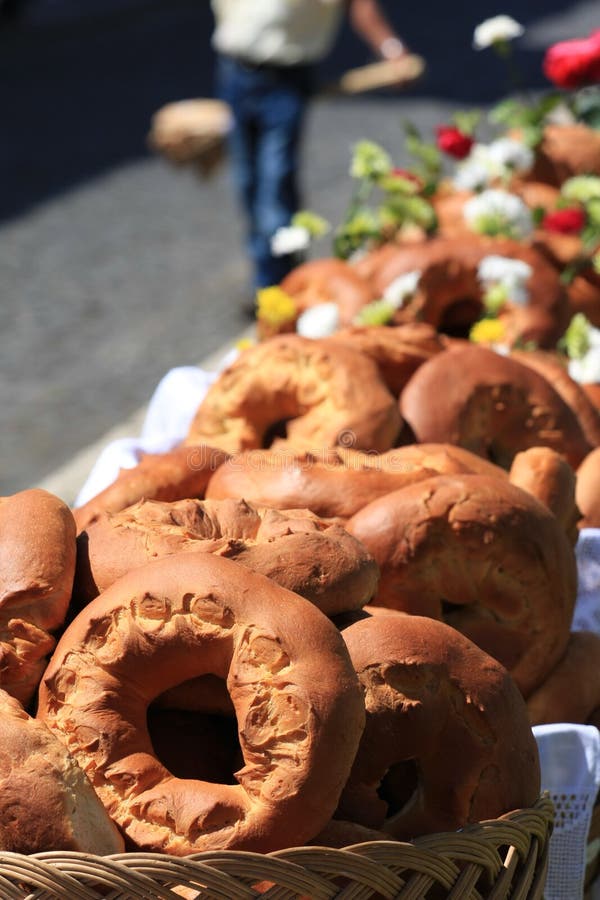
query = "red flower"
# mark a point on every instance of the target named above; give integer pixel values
(571, 64)
(453, 141)
(564, 221)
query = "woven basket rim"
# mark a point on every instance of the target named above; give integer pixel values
(497, 852)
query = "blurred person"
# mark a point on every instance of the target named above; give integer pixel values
(267, 51)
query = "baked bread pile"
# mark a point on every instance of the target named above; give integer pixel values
(284, 646)
(194, 703)
(334, 612)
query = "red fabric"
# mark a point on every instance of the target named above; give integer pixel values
(453, 141)
(564, 221)
(572, 64)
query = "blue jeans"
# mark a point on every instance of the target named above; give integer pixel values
(268, 105)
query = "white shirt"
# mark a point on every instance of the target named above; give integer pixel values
(282, 32)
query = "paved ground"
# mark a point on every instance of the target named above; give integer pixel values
(115, 267)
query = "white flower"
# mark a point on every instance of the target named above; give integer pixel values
(495, 269)
(496, 29)
(489, 162)
(291, 239)
(319, 321)
(508, 153)
(587, 369)
(401, 288)
(510, 274)
(495, 212)
(471, 175)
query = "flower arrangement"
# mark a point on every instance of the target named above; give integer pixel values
(392, 204)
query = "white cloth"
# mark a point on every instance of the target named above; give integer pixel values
(281, 32)
(587, 611)
(570, 764)
(168, 418)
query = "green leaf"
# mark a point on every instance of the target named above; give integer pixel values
(370, 161)
(532, 135)
(537, 214)
(315, 225)
(576, 339)
(503, 113)
(378, 312)
(467, 120)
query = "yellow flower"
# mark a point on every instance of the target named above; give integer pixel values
(488, 331)
(274, 306)
(244, 343)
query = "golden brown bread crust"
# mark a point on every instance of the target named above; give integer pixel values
(316, 559)
(550, 479)
(297, 701)
(484, 556)
(490, 404)
(338, 482)
(37, 564)
(587, 490)
(571, 691)
(584, 294)
(176, 475)
(332, 395)
(593, 392)
(554, 369)
(448, 204)
(536, 194)
(450, 295)
(447, 740)
(46, 802)
(398, 351)
(584, 287)
(342, 834)
(566, 150)
(329, 280)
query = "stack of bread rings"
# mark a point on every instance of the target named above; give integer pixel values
(342, 630)
(334, 612)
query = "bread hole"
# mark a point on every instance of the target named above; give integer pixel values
(196, 745)
(451, 611)
(277, 430)
(459, 316)
(399, 785)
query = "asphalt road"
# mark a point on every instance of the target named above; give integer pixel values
(115, 267)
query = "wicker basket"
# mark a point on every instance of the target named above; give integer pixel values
(493, 860)
(593, 855)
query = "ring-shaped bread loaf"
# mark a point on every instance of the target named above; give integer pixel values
(447, 740)
(297, 700)
(37, 565)
(564, 151)
(449, 292)
(554, 370)
(327, 394)
(587, 490)
(490, 404)
(484, 556)
(549, 478)
(318, 560)
(174, 475)
(337, 482)
(329, 280)
(398, 351)
(571, 691)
